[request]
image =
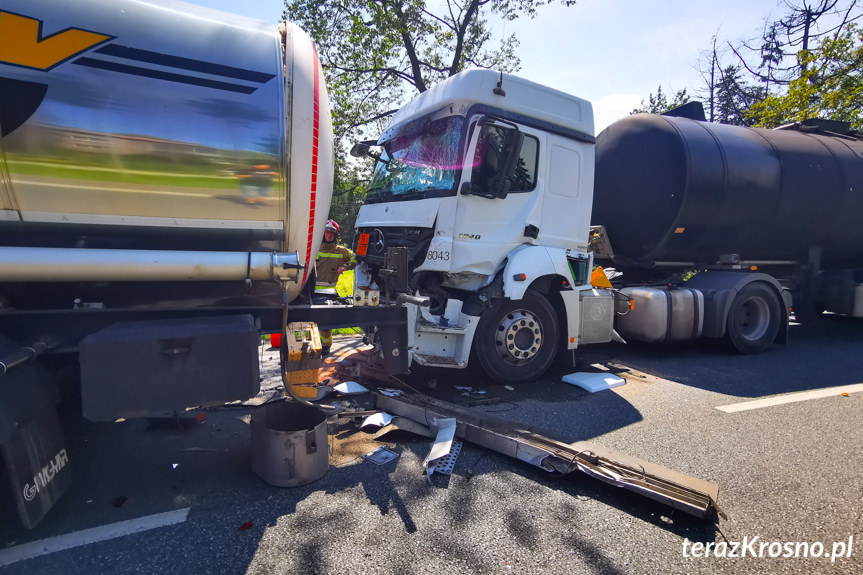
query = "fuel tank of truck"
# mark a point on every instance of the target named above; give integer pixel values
(678, 190)
(160, 125)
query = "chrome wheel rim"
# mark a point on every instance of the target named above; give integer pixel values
(518, 337)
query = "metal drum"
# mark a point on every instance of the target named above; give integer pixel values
(289, 444)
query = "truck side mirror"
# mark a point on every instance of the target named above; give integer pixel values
(360, 150)
(511, 152)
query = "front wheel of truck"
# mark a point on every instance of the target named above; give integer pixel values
(516, 340)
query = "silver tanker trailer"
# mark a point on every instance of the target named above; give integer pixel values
(165, 174)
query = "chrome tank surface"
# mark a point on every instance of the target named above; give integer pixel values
(159, 125)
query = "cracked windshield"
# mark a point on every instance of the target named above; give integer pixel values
(418, 161)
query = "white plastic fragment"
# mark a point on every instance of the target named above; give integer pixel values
(377, 420)
(593, 382)
(390, 392)
(350, 388)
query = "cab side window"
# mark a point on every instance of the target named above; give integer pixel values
(495, 171)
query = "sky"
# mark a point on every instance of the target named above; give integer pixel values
(614, 53)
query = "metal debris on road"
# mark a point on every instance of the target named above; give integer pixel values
(445, 464)
(442, 444)
(380, 419)
(685, 493)
(381, 455)
(405, 424)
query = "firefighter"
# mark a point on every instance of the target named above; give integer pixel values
(332, 260)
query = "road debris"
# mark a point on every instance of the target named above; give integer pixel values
(442, 444)
(381, 455)
(380, 419)
(685, 493)
(593, 382)
(405, 424)
(445, 464)
(350, 388)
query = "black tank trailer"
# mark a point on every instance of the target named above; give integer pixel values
(763, 218)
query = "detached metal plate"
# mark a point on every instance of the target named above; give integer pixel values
(381, 455)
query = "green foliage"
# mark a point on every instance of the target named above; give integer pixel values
(733, 97)
(349, 192)
(830, 85)
(659, 103)
(377, 54)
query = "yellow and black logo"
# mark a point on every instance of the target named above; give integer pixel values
(22, 44)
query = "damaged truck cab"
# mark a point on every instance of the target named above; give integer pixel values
(480, 202)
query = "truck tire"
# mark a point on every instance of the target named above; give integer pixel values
(754, 318)
(516, 340)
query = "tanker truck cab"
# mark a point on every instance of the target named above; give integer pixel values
(480, 202)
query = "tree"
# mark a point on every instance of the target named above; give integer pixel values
(830, 85)
(806, 23)
(734, 97)
(657, 104)
(376, 54)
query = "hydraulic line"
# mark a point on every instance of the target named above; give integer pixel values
(23, 355)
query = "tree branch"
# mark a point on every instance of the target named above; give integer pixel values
(374, 118)
(410, 50)
(472, 9)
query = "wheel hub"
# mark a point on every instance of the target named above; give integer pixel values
(518, 337)
(753, 318)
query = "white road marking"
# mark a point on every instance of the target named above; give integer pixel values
(791, 398)
(88, 536)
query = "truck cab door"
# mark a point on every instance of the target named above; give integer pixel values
(497, 195)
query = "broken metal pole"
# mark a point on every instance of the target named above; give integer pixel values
(685, 493)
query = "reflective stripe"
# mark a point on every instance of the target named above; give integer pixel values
(316, 123)
(329, 255)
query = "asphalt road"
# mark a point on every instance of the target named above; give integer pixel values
(788, 473)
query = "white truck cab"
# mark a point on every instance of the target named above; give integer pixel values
(481, 201)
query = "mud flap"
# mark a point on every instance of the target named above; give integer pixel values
(38, 466)
(31, 442)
